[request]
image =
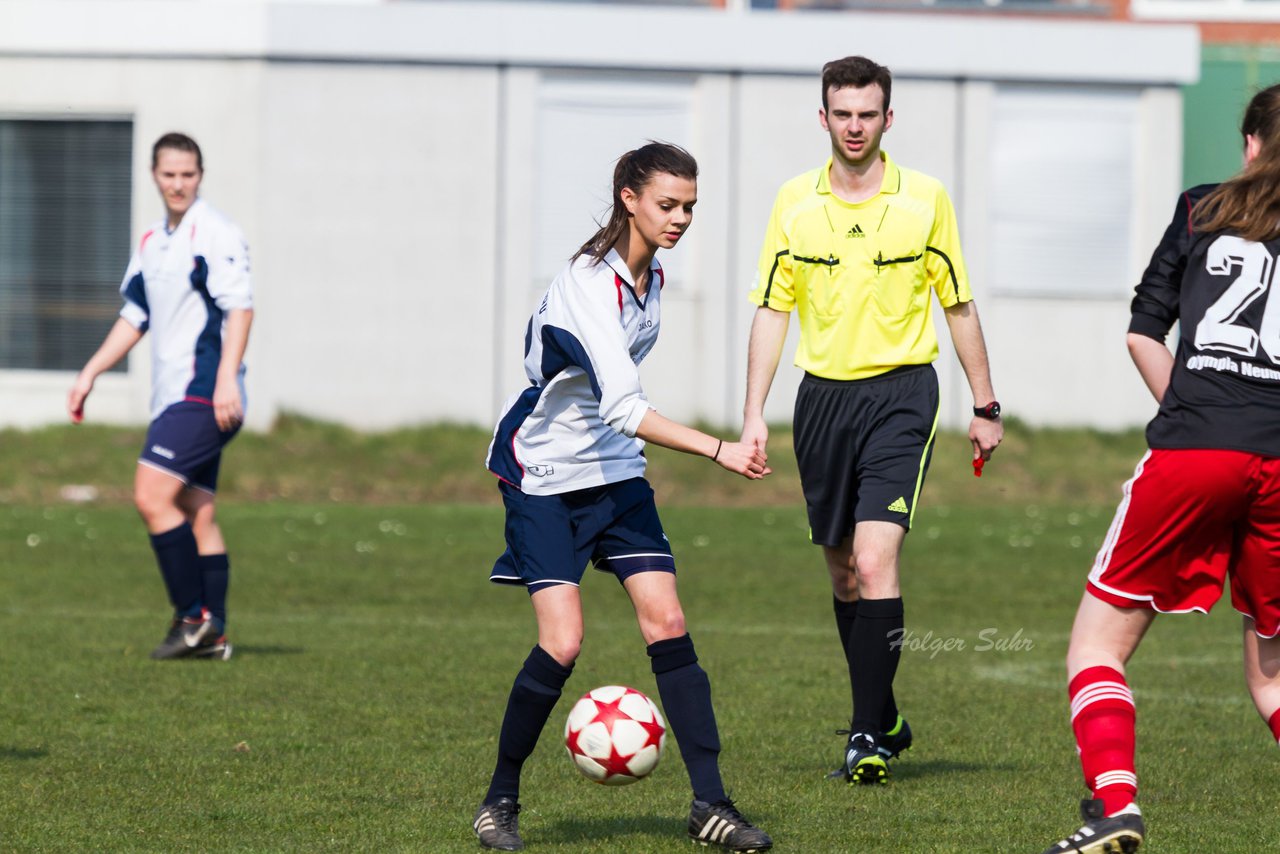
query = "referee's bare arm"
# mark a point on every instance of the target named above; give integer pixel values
(971, 350)
(768, 334)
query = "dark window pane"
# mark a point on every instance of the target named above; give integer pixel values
(65, 190)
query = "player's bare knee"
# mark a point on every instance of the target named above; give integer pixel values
(664, 627)
(844, 585)
(204, 524)
(564, 649)
(150, 505)
(876, 575)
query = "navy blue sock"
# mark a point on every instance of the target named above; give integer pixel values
(875, 656)
(180, 567)
(533, 696)
(215, 574)
(846, 615)
(686, 697)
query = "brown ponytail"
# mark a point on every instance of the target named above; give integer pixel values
(635, 170)
(1249, 204)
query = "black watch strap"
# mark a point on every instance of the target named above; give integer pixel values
(991, 411)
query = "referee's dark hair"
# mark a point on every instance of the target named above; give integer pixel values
(635, 170)
(1248, 204)
(178, 142)
(855, 72)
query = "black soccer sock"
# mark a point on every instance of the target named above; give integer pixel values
(846, 614)
(215, 574)
(533, 696)
(685, 690)
(875, 649)
(179, 562)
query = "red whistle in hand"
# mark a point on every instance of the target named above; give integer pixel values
(978, 463)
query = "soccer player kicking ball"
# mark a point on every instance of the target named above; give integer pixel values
(1204, 502)
(188, 284)
(568, 452)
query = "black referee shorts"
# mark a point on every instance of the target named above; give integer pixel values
(863, 447)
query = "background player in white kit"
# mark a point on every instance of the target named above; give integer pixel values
(188, 284)
(568, 451)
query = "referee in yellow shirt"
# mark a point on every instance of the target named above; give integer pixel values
(855, 246)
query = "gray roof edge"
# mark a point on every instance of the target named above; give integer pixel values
(489, 32)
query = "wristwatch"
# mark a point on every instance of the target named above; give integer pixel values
(991, 411)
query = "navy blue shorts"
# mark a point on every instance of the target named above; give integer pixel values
(185, 441)
(550, 538)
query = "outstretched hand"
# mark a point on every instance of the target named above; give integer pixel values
(745, 459)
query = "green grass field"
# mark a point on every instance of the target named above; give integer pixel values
(373, 659)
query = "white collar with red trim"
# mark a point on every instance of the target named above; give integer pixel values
(619, 266)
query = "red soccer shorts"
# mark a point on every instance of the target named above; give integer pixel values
(1188, 519)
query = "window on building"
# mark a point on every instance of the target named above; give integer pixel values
(1060, 196)
(65, 189)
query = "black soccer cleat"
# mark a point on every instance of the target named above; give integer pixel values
(721, 824)
(497, 826)
(200, 631)
(889, 745)
(895, 742)
(1101, 834)
(175, 643)
(863, 761)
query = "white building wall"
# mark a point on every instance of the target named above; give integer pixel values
(376, 263)
(385, 162)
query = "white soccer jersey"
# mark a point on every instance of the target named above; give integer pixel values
(575, 426)
(180, 285)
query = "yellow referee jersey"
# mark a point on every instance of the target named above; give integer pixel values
(860, 273)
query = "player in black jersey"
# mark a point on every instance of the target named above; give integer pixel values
(1204, 502)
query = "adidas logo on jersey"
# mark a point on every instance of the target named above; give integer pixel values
(856, 231)
(899, 506)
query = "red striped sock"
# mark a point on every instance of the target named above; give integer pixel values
(1103, 716)
(1274, 723)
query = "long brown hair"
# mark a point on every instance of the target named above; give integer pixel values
(635, 170)
(1249, 203)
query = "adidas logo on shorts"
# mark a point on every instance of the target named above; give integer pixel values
(899, 506)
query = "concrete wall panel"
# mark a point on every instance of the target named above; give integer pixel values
(378, 257)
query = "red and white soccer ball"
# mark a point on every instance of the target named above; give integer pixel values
(615, 735)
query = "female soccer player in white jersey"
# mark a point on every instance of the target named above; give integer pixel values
(188, 284)
(568, 454)
(1204, 503)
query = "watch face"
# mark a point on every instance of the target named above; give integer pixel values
(991, 410)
